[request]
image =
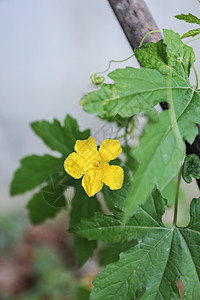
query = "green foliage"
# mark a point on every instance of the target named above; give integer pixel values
(111, 252)
(57, 137)
(115, 200)
(169, 193)
(47, 170)
(189, 19)
(191, 33)
(162, 256)
(164, 77)
(145, 257)
(159, 155)
(83, 207)
(34, 171)
(136, 90)
(191, 168)
(49, 201)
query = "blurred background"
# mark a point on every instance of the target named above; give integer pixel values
(48, 50)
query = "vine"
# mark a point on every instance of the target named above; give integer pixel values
(149, 258)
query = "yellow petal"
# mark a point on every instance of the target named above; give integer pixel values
(88, 150)
(110, 149)
(74, 165)
(85, 146)
(113, 177)
(92, 181)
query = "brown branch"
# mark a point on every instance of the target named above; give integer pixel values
(136, 21)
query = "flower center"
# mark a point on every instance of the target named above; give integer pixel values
(97, 163)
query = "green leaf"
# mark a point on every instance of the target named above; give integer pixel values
(34, 170)
(180, 57)
(82, 294)
(190, 18)
(57, 137)
(161, 150)
(83, 207)
(153, 56)
(171, 58)
(116, 199)
(191, 33)
(109, 228)
(151, 269)
(111, 253)
(73, 132)
(159, 155)
(191, 168)
(49, 201)
(136, 90)
(169, 193)
(164, 77)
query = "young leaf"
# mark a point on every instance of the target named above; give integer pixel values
(191, 168)
(190, 18)
(34, 170)
(151, 269)
(83, 207)
(191, 33)
(58, 137)
(153, 56)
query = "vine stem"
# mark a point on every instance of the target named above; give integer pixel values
(152, 31)
(123, 60)
(115, 61)
(192, 40)
(176, 198)
(196, 75)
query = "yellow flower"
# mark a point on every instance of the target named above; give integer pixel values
(93, 165)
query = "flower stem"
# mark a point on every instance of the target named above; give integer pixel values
(176, 198)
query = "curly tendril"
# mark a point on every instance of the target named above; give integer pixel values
(97, 79)
(191, 168)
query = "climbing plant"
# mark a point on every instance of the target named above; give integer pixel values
(145, 258)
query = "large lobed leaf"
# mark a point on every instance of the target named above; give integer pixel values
(34, 170)
(164, 77)
(163, 255)
(135, 90)
(47, 171)
(57, 137)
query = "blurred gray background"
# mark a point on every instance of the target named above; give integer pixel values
(48, 50)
